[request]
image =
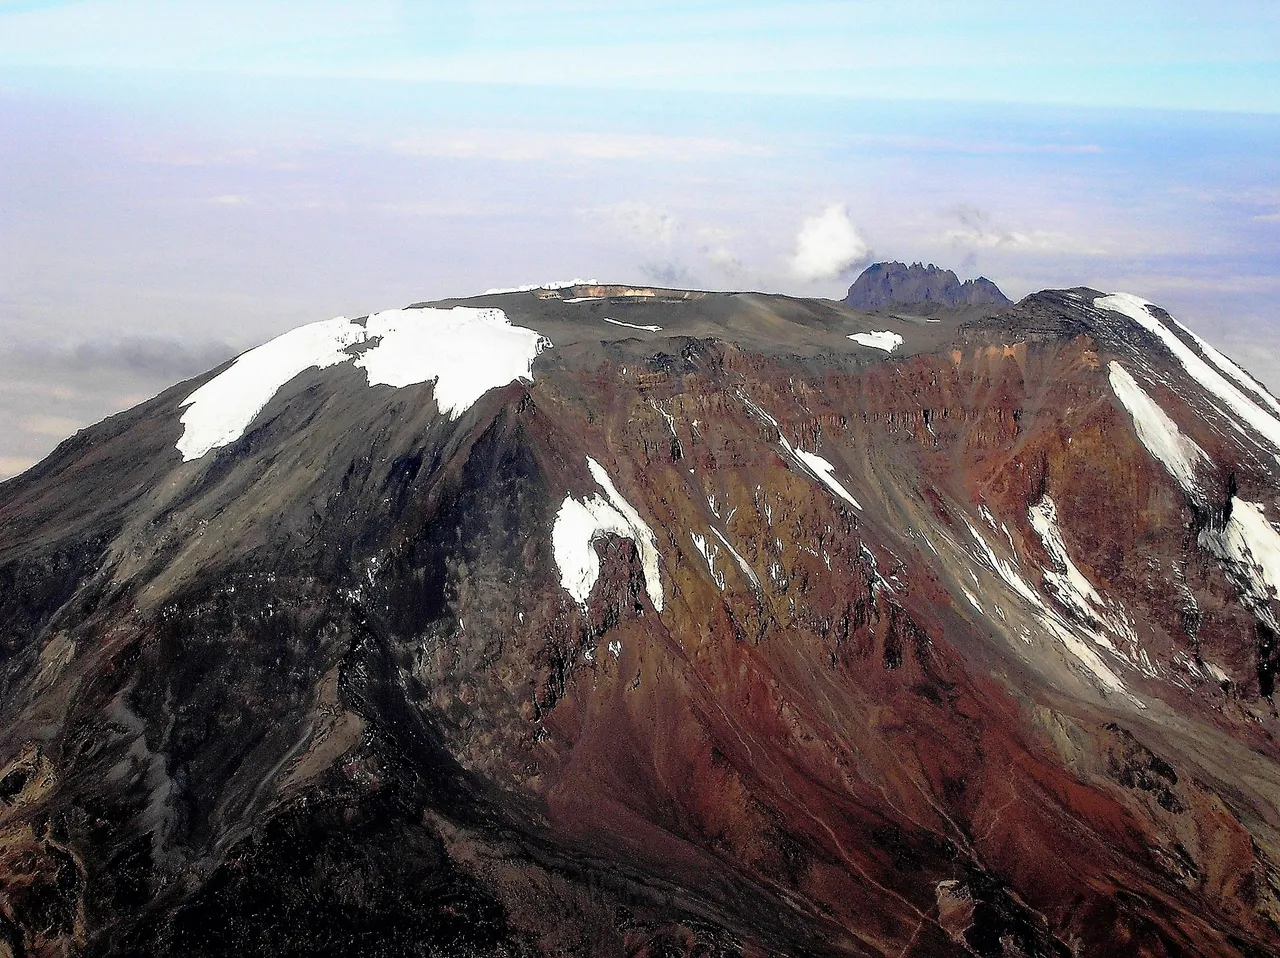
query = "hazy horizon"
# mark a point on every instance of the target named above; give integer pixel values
(176, 190)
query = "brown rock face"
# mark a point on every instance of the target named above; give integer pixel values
(945, 655)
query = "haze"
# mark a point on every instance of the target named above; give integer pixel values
(178, 184)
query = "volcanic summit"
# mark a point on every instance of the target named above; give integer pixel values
(609, 620)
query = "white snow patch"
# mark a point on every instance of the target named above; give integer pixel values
(466, 351)
(1263, 422)
(815, 465)
(644, 538)
(579, 524)
(1069, 583)
(709, 552)
(1252, 545)
(877, 580)
(1004, 570)
(823, 471)
(615, 648)
(1231, 369)
(1053, 622)
(618, 322)
(1089, 659)
(671, 420)
(990, 519)
(972, 600)
(1160, 434)
(1217, 672)
(219, 412)
(742, 563)
(884, 339)
(562, 284)
(1074, 590)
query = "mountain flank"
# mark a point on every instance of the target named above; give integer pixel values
(612, 621)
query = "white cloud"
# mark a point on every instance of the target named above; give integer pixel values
(828, 245)
(640, 223)
(725, 261)
(13, 465)
(975, 230)
(1225, 283)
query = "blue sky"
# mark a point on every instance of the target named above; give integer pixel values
(181, 180)
(1168, 54)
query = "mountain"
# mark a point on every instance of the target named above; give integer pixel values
(897, 284)
(610, 620)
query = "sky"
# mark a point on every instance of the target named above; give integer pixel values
(181, 181)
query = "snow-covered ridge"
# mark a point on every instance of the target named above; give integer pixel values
(579, 524)
(466, 351)
(1156, 431)
(1247, 543)
(1231, 369)
(1262, 421)
(884, 339)
(221, 410)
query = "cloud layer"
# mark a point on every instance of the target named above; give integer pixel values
(828, 246)
(48, 392)
(148, 233)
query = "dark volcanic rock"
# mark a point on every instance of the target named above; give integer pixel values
(325, 690)
(896, 284)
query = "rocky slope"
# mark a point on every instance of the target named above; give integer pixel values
(883, 285)
(618, 621)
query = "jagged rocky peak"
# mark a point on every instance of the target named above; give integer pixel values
(897, 284)
(609, 620)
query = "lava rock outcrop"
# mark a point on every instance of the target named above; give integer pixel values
(883, 285)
